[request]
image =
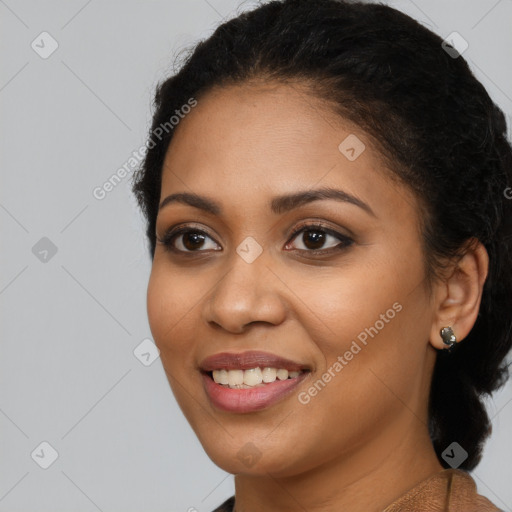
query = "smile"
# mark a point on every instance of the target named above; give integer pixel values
(249, 381)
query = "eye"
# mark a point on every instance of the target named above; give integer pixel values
(315, 236)
(187, 239)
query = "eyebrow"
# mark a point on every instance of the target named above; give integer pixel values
(279, 204)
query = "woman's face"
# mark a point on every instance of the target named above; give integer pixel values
(345, 304)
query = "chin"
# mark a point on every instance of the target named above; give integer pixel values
(250, 459)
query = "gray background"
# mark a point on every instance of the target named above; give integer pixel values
(70, 323)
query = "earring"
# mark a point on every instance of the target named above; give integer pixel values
(448, 337)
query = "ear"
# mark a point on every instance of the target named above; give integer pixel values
(458, 295)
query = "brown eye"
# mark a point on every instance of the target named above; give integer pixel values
(188, 240)
(192, 240)
(314, 237)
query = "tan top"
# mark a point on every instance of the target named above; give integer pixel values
(450, 490)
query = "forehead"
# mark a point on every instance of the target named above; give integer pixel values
(286, 120)
(251, 141)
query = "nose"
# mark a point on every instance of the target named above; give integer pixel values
(247, 293)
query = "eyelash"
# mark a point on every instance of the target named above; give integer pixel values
(345, 241)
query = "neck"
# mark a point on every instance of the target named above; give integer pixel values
(367, 480)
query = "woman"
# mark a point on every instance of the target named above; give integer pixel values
(325, 193)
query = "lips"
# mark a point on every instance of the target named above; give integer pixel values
(248, 360)
(249, 400)
(255, 398)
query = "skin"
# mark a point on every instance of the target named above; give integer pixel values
(362, 441)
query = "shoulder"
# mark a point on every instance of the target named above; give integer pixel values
(463, 491)
(450, 490)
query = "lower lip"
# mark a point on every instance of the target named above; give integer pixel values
(249, 400)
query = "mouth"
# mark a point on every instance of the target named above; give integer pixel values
(250, 381)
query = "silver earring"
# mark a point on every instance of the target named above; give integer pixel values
(448, 337)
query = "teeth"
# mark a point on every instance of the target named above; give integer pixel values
(253, 377)
(235, 377)
(269, 374)
(223, 377)
(282, 374)
(242, 379)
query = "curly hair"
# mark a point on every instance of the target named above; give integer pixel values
(430, 119)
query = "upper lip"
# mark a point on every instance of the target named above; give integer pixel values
(247, 360)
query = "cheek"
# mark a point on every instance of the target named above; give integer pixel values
(169, 308)
(376, 319)
(159, 301)
(344, 305)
